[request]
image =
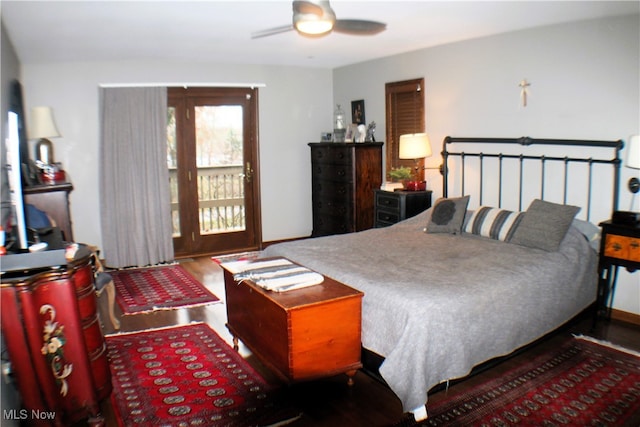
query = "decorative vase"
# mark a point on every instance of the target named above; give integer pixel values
(415, 185)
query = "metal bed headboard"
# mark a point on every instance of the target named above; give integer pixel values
(521, 158)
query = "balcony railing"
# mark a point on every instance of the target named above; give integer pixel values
(220, 199)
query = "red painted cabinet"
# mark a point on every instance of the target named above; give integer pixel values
(54, 339)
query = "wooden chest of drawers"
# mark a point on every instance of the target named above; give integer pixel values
(394, 206)
(299, 334)
(343, 178)
(52, 308)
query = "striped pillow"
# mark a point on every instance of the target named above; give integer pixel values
(498, 224)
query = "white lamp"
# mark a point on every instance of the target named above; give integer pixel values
(43, 126)
(414, 146)
(633, 161)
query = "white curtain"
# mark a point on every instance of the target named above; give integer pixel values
(134, 178)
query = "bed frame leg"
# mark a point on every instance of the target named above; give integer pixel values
(350, 375)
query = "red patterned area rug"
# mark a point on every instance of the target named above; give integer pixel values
(168, 287)
(188, 376)
(583, 383)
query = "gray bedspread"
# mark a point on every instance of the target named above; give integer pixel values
(436, 305)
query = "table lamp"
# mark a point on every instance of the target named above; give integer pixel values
(42, 127)
(414, 146)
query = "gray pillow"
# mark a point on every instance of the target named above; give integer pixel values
(447, 215)
(544, 225)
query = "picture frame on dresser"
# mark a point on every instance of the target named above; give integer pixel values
(357, 112)
(352, 132)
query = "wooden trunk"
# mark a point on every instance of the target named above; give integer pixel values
(300, 334)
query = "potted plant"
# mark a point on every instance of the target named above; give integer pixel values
(400, 174)
(404, 174)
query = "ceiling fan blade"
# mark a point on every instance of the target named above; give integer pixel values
(271, 31)
(358, 27)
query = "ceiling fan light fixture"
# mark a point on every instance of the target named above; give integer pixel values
(313, 18)
(314, 27)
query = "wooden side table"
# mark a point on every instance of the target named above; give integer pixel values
(394, 206)
(300, 334)
(619, 247)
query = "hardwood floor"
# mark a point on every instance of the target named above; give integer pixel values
(330, 402)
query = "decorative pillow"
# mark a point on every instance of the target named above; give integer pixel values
(447, 215)
(544, 225)
(494, 223)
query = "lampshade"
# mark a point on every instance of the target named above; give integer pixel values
(633, 152)
(414, 146)
(42, 124)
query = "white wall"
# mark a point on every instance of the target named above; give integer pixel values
(585, 84)
(295, 107)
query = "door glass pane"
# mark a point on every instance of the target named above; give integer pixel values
(172, 164)
(219, 159)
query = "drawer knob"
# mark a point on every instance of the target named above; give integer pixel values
(616, 246)
(634, 244)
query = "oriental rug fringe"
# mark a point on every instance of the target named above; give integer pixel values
(187, 376)
(583, 383)
(143, 290)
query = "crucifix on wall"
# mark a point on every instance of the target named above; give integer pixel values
(524, 91)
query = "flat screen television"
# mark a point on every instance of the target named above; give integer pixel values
(15, 156)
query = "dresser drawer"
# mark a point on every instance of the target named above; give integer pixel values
(331, 155)
(339, 208)
(324, 225)
(388, 201)
(385, 217)
(340, 173)
(331, 190)
(622, 247)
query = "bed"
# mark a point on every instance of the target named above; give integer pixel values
(440, 297)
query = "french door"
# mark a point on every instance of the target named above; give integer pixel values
(212, 154)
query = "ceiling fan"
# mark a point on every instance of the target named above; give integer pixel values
(315, 18)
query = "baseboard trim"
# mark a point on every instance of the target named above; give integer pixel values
(273, 242)
(625, 316)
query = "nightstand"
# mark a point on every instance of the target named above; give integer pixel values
(392, 207)
(619, 247)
